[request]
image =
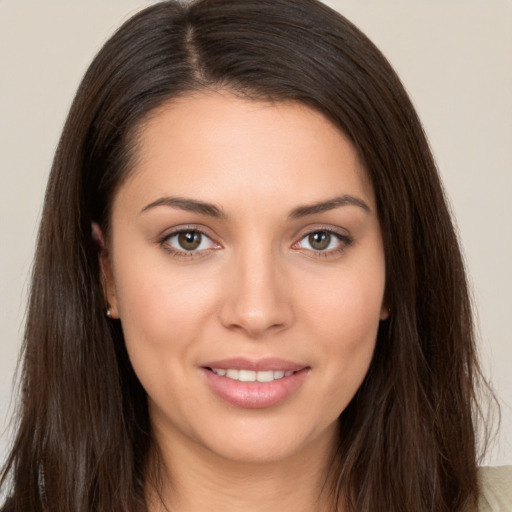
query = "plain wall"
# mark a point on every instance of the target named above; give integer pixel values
(454, 57)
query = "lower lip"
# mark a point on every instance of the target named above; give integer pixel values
(254, 395)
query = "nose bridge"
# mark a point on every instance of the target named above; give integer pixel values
(256, 298)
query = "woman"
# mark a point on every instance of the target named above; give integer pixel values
(247, 290)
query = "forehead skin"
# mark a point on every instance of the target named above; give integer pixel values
(248, 141)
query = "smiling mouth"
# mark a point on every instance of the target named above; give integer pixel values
(251, 375)
(254, 384)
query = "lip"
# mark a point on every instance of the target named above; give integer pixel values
(255, 395)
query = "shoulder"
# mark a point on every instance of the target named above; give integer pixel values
(495, 489)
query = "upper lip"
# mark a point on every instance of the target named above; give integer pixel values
(244, 363)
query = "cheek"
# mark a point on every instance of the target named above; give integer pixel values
(162, 310)
(162, 314)
(350, 334)
(344, 316)
(345, 305)
(348, 345)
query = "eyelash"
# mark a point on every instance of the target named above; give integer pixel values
(343, 239)
(164, 243)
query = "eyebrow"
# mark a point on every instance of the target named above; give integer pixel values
(331, 204)
(189, 205)
(210, 209)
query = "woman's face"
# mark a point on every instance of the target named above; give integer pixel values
(247, 268)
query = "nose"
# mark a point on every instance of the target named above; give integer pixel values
(257, 298)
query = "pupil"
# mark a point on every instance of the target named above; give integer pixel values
(189, 240)
(320, 240)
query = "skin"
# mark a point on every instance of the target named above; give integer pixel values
(256, 288)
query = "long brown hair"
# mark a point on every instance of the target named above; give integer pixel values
(407, 439)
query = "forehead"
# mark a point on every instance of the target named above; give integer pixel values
(216, 146)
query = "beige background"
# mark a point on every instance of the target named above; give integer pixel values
(454, 57)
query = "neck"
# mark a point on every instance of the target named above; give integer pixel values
(203, 480)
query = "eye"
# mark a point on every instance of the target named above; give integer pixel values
(188, 241)
(323, 240)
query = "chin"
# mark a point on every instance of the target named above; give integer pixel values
(269, 442)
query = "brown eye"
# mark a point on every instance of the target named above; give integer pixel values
(324, 242)
(319, 240)
(189, 240)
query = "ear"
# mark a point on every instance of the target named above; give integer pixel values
(107, 277)
(385, 312)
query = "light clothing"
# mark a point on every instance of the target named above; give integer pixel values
(495, 489)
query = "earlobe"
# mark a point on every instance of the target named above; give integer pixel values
(107, 278)
(385, 312)
(97, 236)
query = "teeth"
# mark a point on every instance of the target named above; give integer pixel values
(246, 376)
(232, 374)
(251, 375)
(267, 376)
